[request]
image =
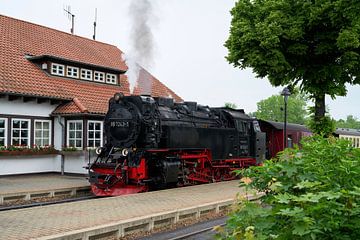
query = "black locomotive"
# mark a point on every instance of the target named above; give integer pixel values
(155, 143)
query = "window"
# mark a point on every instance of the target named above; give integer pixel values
(95, 133)
(42, 132)
(99, 76)
(111, 78)
(75, 133)
(20, 129)
(57, 69)
(3, 131)
(86, 74)
(72, 72)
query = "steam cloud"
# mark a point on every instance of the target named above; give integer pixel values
(142, 49)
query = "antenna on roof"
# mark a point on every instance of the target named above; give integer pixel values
(70, 15)
(95, 23)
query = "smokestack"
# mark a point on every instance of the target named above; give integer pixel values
(142, 49)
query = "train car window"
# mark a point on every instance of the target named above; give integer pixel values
(289, 141)
(247, 127)
(240, 126)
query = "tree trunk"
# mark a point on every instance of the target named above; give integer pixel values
(319, 106)
(320, 123)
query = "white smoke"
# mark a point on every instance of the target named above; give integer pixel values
(142, 49)
(132, 73)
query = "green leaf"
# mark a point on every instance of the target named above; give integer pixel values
(283, 198)
(290, 211)
(307, 184)
(301, 229)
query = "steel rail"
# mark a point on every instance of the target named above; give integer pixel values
(195, 232)
(38, 204)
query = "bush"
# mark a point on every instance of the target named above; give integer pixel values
(312, 193)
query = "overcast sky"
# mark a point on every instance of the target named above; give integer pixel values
(188, 55)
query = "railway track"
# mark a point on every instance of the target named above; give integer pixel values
(201, 230)
(37, 204)
(195, 233)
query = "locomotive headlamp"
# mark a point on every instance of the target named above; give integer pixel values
(125, 152)
(118, 96)
(98, 150)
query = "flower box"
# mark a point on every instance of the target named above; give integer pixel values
(7, 153)
(28, 151)
(72, 153)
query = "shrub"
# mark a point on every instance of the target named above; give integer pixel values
(310, 193)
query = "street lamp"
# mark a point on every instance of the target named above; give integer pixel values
(286, 93)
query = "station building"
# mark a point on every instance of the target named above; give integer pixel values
(54, 91)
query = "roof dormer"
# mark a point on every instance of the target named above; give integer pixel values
(60, 67)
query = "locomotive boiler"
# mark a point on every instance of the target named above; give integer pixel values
(154, 143)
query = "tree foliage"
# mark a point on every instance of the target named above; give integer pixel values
(272, 108)
(230, 105)
(312, 193)
(350, 122)
(315, 44)
(324, 125)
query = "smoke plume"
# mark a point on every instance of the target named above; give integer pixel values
(142, 49)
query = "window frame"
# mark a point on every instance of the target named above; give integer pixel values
(88, 74)
(75, 138)
(94, 138)
(99, 74)
(72, 68)
(12, 131)
(56, 72)
(50, 132)
(5, 131)
(111, 77)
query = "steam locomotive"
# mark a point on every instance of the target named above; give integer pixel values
(155, 143)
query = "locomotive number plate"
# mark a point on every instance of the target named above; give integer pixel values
(119, 124)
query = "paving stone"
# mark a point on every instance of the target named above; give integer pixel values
(53, 219)
(39, 182)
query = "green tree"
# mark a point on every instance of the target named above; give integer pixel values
(350, 122)
(313, 44)
(230, 105)
(272, 108)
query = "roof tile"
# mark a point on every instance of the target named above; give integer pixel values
(20, 76)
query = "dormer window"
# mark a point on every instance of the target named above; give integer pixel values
(67, 68)
(99, 76)
(111, 78)
(72, 72)
(86, 74)
(57, 69)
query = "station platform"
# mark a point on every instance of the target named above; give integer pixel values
(30, 186)
(117, 216)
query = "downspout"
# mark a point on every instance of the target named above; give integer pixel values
(62, 144)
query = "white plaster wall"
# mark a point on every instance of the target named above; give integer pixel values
(58, 143)
(29, 164)
(18, 107)
(76, 164)
(42, 163)
(38, 164)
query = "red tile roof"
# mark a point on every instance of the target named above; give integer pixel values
(18, 75)
(148, 84)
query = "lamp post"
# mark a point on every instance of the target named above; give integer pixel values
(286, 93)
